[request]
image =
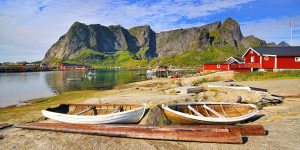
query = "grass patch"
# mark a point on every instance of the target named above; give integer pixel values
(194, 57)
(99, 60)
(254, 76)
(205, 80)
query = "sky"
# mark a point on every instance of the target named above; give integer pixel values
(29, 28)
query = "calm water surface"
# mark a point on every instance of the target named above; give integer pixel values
(16, 87)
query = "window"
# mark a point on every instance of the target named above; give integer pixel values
(251, 51)
(252, 58)
(297, 59)
(266, 58)
(218, 65)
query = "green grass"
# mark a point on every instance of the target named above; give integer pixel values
(100, 60)
(194, 57)
(254, 76)
(205, 80)
(127, 59)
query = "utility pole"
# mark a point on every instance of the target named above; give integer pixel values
(291, 25)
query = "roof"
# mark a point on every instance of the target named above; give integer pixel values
(238, 59)
(217, 62)
(279, 51)
(66, 64)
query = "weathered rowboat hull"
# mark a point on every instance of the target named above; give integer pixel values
(127, 116)
(178, 117)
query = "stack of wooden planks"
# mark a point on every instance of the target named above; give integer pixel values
(231, 134)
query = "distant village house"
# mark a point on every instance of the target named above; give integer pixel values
(66, 66)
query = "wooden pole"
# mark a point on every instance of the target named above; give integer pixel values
(142, 133)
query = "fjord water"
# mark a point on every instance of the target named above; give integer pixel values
(16, 87)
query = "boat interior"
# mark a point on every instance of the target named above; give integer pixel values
(91, 110)
(214, 110)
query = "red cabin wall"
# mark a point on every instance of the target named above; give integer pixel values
(214, 67)
(248, 56)
(268, 64)
(287, 63)
(242, 70)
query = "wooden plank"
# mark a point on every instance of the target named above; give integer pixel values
(213, 111)
(195, 111)
(245, 130)
(5, 125)
(142, 133)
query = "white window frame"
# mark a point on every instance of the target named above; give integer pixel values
(252, 59)
(266, 58)
(297, 59)
(218, 65)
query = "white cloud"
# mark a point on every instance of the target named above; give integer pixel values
(273, 30)
(35, 25)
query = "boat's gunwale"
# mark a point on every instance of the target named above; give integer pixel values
(96, 116)
(211, 119)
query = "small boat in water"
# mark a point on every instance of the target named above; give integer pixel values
(209, 112)
(91, 74)
(74, 79)
(96, 113)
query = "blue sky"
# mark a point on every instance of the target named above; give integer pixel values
(29, 28)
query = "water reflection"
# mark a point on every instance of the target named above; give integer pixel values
(15, 87)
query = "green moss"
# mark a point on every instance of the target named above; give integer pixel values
(142, 52)
(87, 56)
(93, 42)
(54, 60)
(137, 30)
(215, 33)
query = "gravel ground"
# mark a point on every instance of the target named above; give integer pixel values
(282, 121)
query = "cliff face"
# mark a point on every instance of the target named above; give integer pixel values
(145, 43)
(109, 39)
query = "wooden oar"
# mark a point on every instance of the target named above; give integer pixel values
(90, 108)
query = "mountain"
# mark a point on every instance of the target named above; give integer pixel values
(99, 44)
(272, 44)
(283, 44)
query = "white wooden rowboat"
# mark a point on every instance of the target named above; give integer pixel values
(96, 114)
(209, 112)
(230, 87)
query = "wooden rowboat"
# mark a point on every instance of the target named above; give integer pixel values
(96, 113)
(209, 112)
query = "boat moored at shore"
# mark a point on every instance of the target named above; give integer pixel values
(96, 113)
(209, 112)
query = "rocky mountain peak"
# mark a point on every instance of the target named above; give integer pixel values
(283, 44)
(232, 26)
(144, 43)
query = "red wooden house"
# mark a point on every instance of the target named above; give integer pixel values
(223, 65)
(66, 66)
(273, 58)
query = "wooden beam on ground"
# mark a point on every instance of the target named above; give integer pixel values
(156, 133)
(245, 130)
